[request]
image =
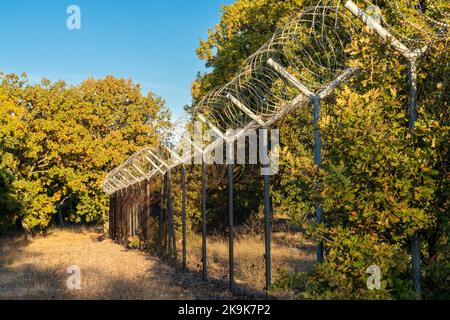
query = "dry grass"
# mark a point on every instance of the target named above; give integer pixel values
(37, 269)
(289, 250)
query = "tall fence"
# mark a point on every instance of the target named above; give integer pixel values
(301, 64)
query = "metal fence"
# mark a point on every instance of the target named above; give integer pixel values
(301, 64)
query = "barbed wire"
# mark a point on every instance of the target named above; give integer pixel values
(310, 47)
(302, 63)
(415, 23)
(302, 58)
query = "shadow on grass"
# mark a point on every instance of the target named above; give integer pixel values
(164, 279)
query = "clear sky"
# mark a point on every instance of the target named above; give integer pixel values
(152, 42)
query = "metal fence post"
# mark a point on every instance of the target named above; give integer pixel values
(204, 271)
(160, 229)
(412, 56)
(168, 236)
(412, 110)
(123, 215)
(116, 212)
(140, 212)
(135, 208)
(147, 203)
(120, 220)
(231, 226)
(318, 163)
(267, 217)
(111, 215)
(170, 220)
(130, 212)
(264, 143)
(183, 190)
(114, 218)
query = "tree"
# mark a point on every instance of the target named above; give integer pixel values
(378, 184)
(58, 142)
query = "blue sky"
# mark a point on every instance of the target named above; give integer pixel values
(152, 42)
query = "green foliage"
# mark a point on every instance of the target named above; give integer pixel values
(8, 201)
(377, 179)
(244, 27)
(379, 184)
(57, 143)
(289, 280)
(133, 243)
(343, 275)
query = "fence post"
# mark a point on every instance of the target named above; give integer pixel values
(160, 229)
(411, 56)
(116, 211)
(135, 207)
(183, 190)
(121, 214)
(133, 203)
(318, 163)
(120, 220)
(315, 100)
(168, 236)
(170, 220)
(204, 217)
(267, 217)
(111, 214)
(148, 207)
(116, 215)
(130, 210)
(412, 110)
(139, 212)
(231, 226)
(124, 216)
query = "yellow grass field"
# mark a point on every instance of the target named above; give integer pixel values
(37, 269)
(250, 258)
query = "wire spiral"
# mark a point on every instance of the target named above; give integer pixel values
(301, 58)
